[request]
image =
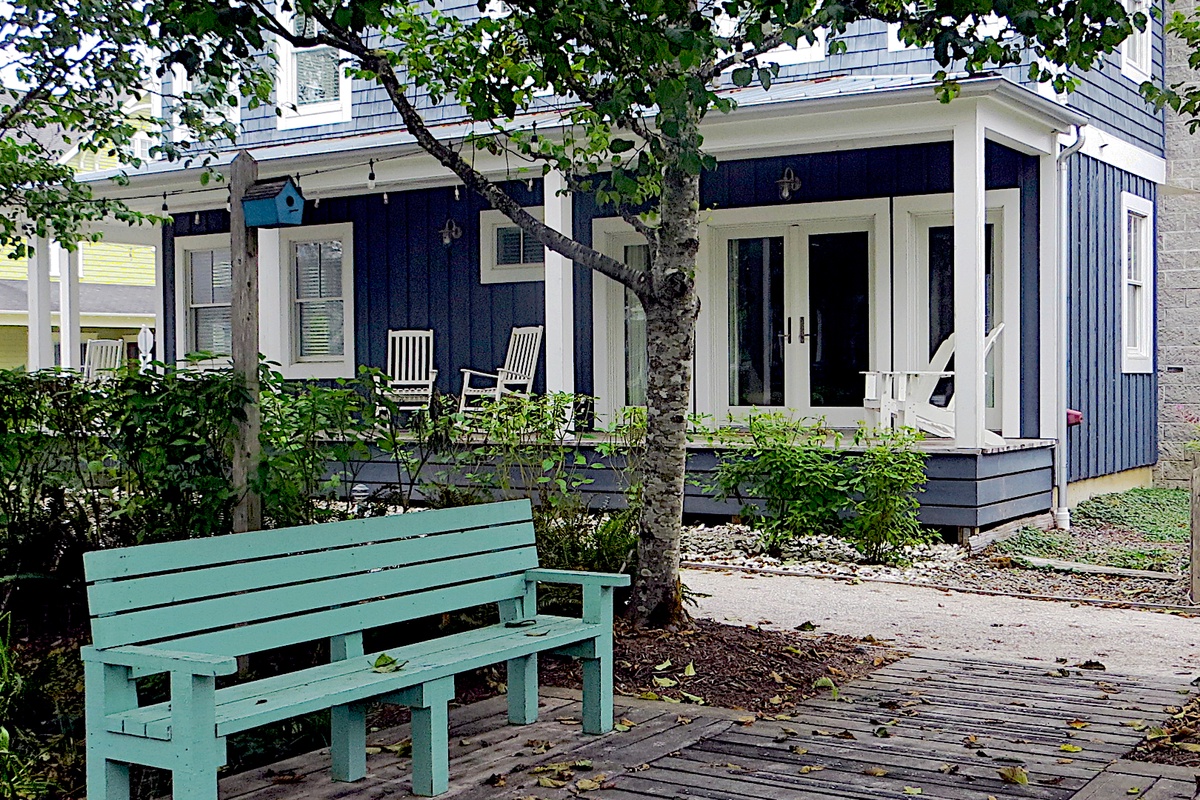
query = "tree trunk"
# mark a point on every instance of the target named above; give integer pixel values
(671, 308)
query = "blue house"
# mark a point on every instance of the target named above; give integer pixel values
(853, 225)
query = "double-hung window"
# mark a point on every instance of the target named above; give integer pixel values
(313, 86)
(1137, 283)
(1136, 50)
(210, 285)
(318, 307)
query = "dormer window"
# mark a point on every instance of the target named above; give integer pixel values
(313, 86)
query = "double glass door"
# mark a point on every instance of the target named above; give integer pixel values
(799, 318)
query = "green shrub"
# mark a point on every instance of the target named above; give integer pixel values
(883, 483)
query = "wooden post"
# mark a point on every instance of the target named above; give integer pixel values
(247, 514)
(1194, 561)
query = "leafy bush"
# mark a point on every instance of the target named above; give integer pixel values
(793, 479)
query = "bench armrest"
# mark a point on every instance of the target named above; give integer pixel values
(570, 576)
(152, 660)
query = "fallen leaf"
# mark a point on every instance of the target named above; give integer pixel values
(690, 670)
(682, 720)
(404, 747)
(664, 665)
(1078, 724)
(649, 696)
(1016, 775)
(875, 772)
(374, 751)
(800, 751)
(1091, 664)
(1191, 747)
(1070, 748)
(385, 663)
(496, 779)
(547, 782)
(745, 720)
(913, 790)
(664, 683)
(806, 626)
(1133, 790)
(692, 698)
(811, 768)
(948, 769)
(587, 785)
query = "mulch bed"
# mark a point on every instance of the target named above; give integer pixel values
(741, 667)
(1177, 742)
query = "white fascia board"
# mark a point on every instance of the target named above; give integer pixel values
(1108, 149)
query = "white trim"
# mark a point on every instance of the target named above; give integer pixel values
(1141, 359)
(610, 235)
(969, 217)
(276, 306)
(1108, 149)
(183, 246)
(1048, 256)
(914, 216)
(559, 289)
(292, 115)
(489, 271)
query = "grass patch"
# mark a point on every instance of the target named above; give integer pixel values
(1149, 558)
(1039, 543)
(1160, 515)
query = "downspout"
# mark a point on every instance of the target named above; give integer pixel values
(1062, 512)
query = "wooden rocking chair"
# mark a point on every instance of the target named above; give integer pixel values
(411, 375)
(515, 377)
(101, 356)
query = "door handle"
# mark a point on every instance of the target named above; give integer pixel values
(786, 338)
(801, 336)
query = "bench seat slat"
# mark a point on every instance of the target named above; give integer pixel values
(124, 596)
(269, 635)
(128, 562)
(300, 600)
(317, 688)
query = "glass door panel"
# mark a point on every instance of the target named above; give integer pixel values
(756, 321)
(941, 305)
(839, 321)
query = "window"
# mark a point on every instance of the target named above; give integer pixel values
(318, 319)
(210, 284)
(507, 254)
(991, 25)
(182, 86)
(313, 87)
(1137, 284)
(1135, 51)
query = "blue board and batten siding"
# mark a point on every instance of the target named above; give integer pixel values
(1119, 429)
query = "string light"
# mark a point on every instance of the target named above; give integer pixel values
(371, 175)
(164, 208)
(317, 203)
(529, 184)
(229, 200)
(457, 196)
(196, 218)
(385, 198)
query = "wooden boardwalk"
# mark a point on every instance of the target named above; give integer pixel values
(925, 726)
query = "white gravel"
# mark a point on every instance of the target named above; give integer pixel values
(1001, 628)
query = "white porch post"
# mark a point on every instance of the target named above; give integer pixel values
(560, 291)
(41, 346)
(70, 267)
(969, 214)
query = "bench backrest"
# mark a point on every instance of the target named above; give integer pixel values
(249, 592)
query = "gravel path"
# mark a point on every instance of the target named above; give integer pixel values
(1125, 640)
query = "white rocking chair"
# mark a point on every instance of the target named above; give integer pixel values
(905, 396)
(101, 356)
(515, 377)
(411, 375)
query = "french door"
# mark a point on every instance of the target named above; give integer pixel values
(799, 316)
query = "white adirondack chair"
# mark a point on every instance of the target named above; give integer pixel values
(906, 395)
(411, 375)
(102, 355)
(515, 377)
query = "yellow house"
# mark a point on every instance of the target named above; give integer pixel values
(116, 281)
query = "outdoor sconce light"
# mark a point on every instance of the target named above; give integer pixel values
(788, 184)
(450, 231)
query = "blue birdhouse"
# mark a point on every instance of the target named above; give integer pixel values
(273, 204)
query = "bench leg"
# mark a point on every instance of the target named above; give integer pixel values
(523, 690)
(431, 736)
(107, 780)
(348, 746)
(196, 780)
(598, 688)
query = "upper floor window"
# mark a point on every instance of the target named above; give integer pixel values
(1136, 50)
(184, 88)
(1137, 283)
(313, 86)
(991, 25)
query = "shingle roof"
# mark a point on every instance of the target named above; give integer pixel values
(94, 298)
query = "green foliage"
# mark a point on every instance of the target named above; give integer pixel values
(1161, 515)
(795, 479)
(18, 777)
(1155, 559)
(1038, 543)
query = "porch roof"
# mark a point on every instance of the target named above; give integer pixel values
(844, 92)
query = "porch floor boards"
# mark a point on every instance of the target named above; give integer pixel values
(943, 725)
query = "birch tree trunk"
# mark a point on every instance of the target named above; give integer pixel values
(671, 308)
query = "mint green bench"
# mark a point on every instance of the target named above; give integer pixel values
(190, 608)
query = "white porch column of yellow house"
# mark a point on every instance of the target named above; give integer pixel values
(70, 267)
(559, 290)
(41, 345)
(969, 216)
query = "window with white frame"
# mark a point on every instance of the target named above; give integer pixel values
(313, 87)
(182, 86)
(318, 309)
(1136, 50)
(507, 254)
(991, 25)
(1137, 283)
(209, 278)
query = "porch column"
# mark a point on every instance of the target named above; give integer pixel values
(560, 291)
(41, 346)
(70, 267)
(969, 215)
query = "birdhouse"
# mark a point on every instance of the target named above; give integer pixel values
(273, 204)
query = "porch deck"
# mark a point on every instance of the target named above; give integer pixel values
(945, 726)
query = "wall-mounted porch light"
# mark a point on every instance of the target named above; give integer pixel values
(788, 184)
(450, 231)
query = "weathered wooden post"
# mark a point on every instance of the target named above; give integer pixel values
(1194, 560)
(247, 514)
